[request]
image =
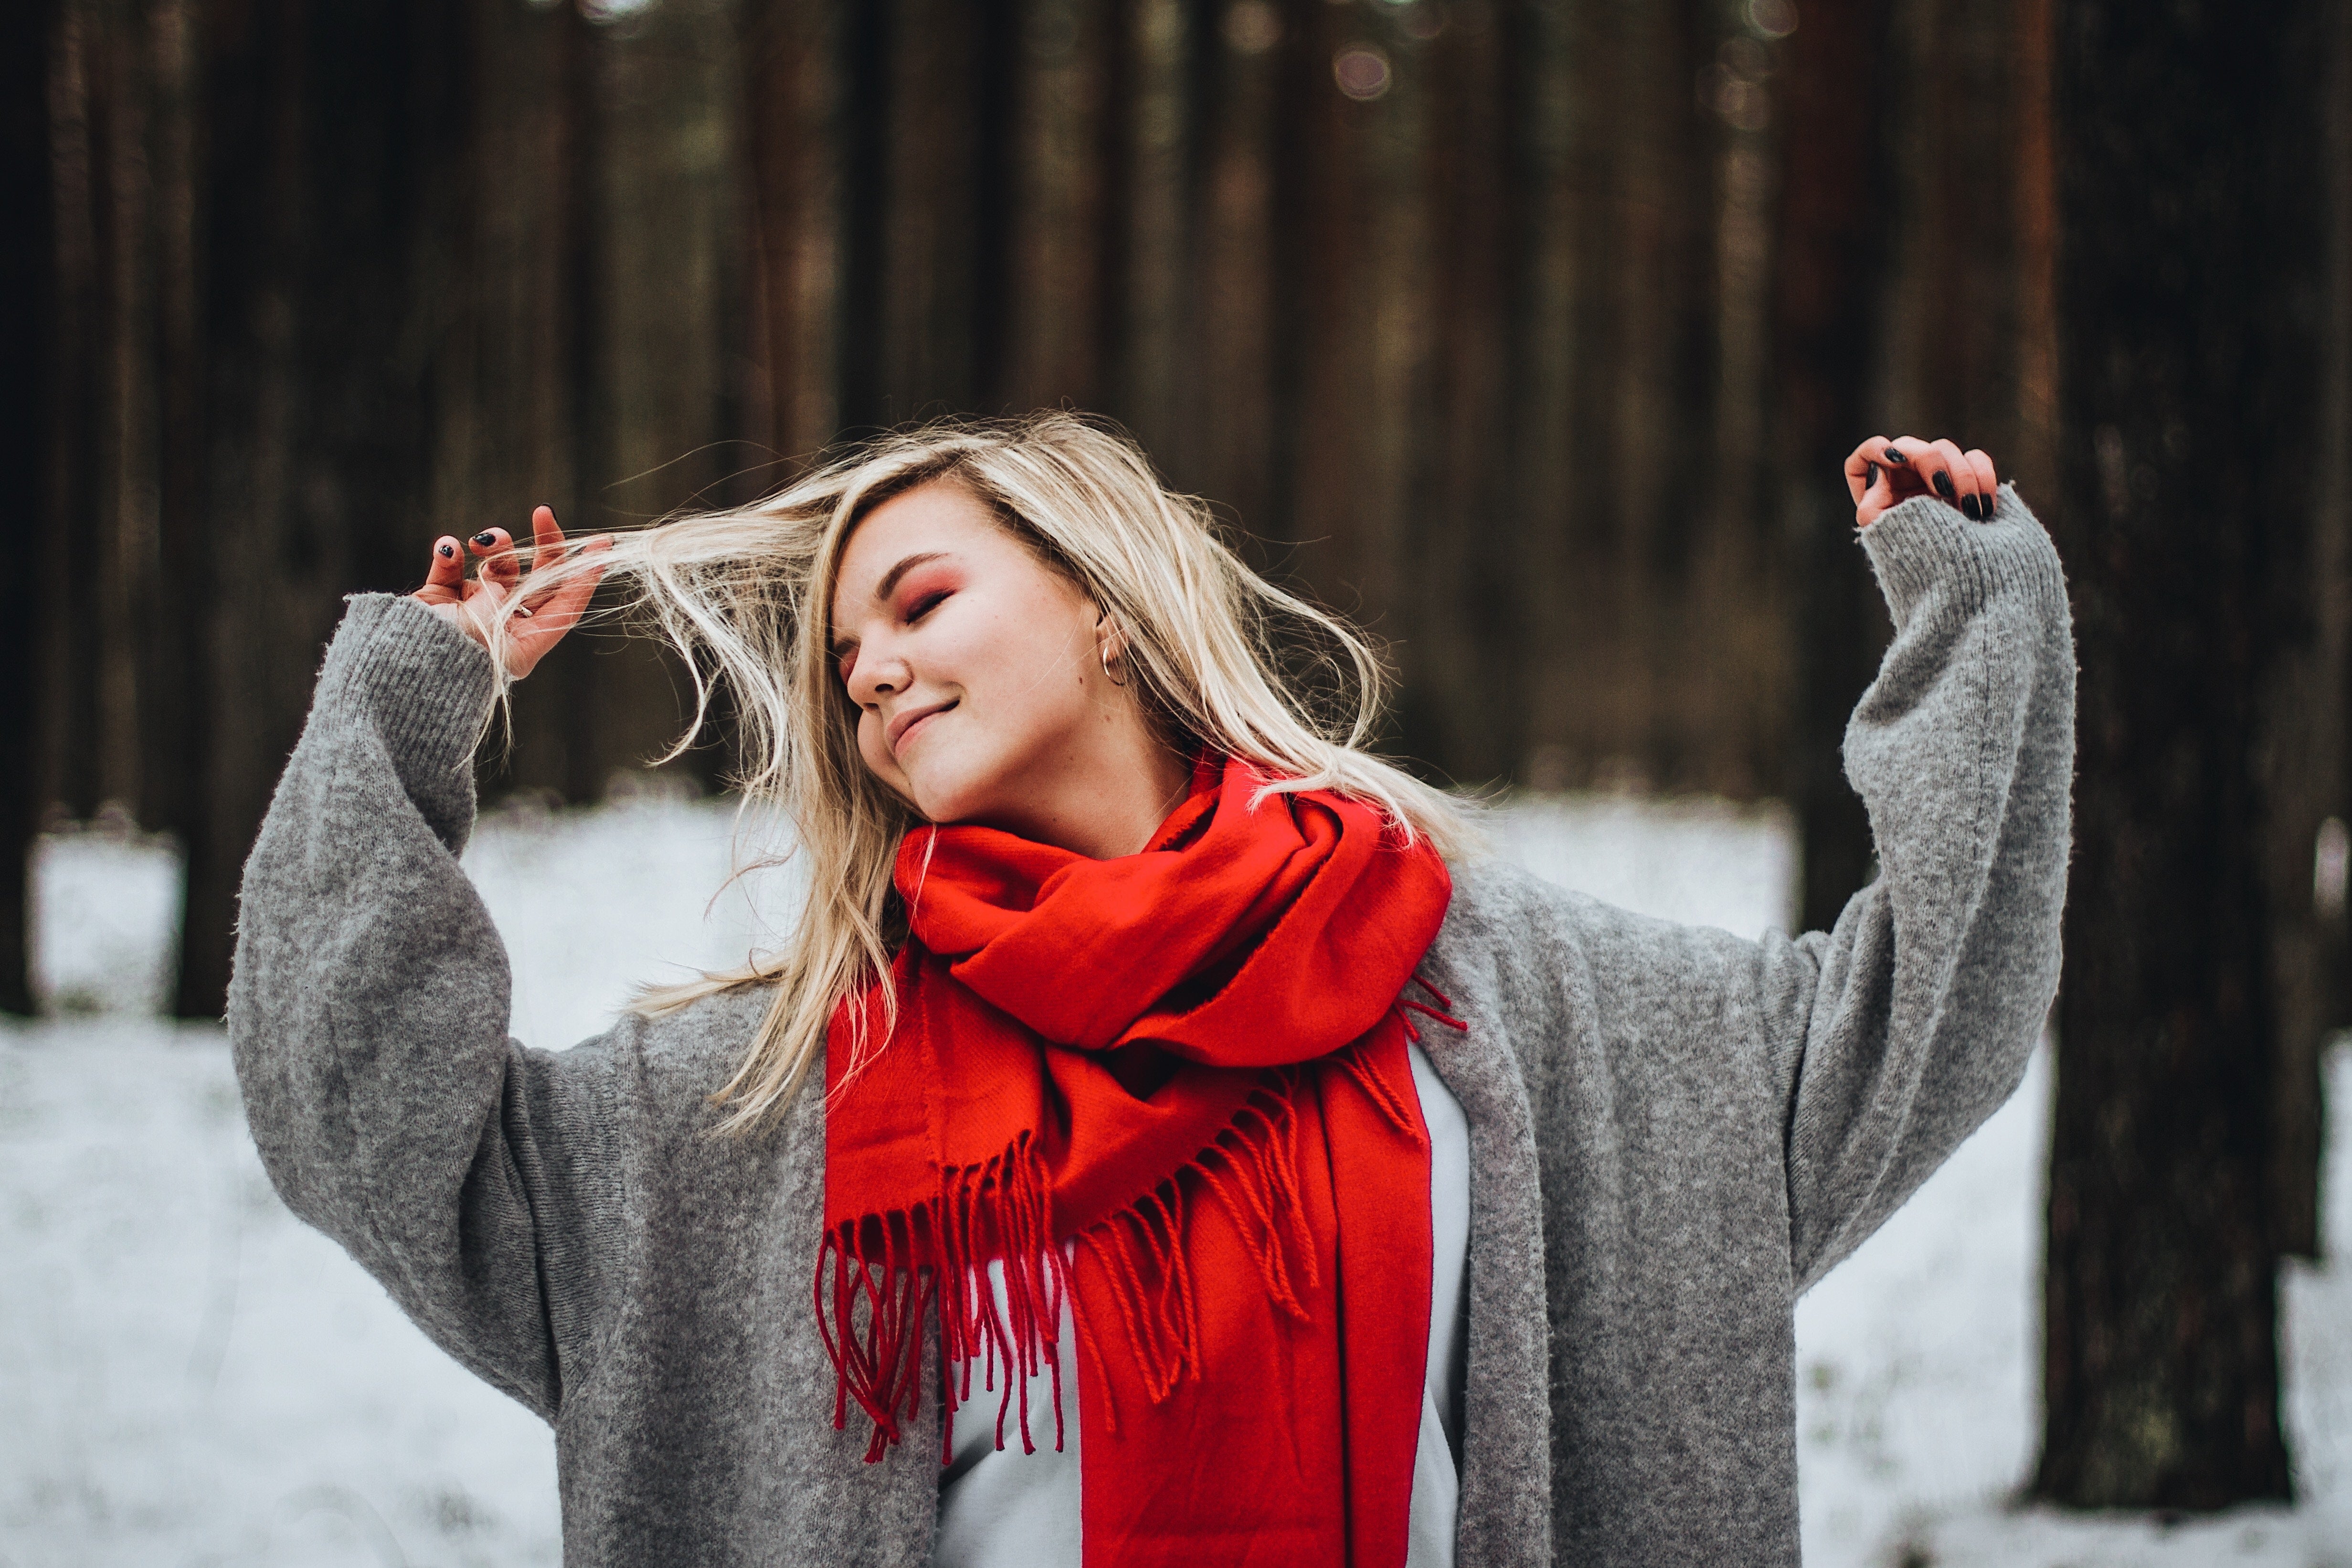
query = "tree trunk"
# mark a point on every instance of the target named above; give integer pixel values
(1362, 342)
(517, 414)
(1055, 300)
(28, 363)
(1831, 265)
(2333, 951)
(2190, 310)
(1236, 356)
(328, 127)
(669, 95)
(931, 197)
(66, 701)
(2302, 763)
(791, 70)
(1460, 562)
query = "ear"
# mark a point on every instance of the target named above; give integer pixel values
(1110, 648)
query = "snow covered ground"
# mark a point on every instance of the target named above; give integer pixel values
(189, 1376)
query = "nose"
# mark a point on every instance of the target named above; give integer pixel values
(879, 672)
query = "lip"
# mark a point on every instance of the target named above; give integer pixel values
(897, 730)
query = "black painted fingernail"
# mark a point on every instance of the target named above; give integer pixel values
(1944, 485)
(1871, 483)
(1970, 509)
(485, 539)
(1895, 454)
(446, 551)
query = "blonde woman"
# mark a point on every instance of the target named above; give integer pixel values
(1163, 1139)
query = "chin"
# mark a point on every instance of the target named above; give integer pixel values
(945, 793)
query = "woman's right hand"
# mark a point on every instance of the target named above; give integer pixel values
(473, 606)
(1883, 474)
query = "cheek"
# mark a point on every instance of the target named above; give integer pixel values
(1033, 687)
(876, 756)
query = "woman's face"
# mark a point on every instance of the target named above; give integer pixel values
(976, 670)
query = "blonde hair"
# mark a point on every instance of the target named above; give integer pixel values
(1221, 657)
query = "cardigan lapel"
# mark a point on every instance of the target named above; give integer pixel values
(1506, 1508)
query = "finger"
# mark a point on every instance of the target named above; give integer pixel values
(1958, 485)
(1905, 475)
(1987, 480)
(562, 608)
(1923, 471)
(1862, 467)
(548, 549)
(500, 564)
(546, 538)
(445, 577)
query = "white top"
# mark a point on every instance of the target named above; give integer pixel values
(1005, 1508)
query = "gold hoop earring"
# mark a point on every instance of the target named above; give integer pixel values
(1114, 680)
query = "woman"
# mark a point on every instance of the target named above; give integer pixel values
(1217, 1160)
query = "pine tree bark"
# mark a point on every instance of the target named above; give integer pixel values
(28, 351)
(2302, 763)
(1458, 548)
(792, 62)
(2189, 314)
(668, 97)
(327, 129)
(1831, 267)
(1362, 342)
(65, 699)
(1234, 452)
(518, 413)
(1057, 298)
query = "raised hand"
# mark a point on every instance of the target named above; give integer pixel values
(475, 604)
(1882, 473)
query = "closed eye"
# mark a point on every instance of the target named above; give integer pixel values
(925, 606)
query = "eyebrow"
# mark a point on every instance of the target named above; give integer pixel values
(891, 578)
(883, 589)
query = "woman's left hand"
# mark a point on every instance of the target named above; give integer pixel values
(1882, 473)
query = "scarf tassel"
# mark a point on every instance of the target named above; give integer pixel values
(871, 1295)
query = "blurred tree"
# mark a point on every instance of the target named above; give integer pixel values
(1646, 667)
(2192, 158)
(667, 370)
(517, 413)
(331, 127)
(792, 64)
(2300, 759)
(1836, 219)
(2330, 983)
(111, 721)
(29, 385)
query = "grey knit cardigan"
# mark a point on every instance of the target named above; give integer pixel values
(1674, 1130)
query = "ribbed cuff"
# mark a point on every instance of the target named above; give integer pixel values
(425, 685)
(1926, 553)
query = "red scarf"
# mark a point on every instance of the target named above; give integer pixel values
(1251, 1282)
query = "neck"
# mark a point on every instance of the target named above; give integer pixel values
(1109, 802)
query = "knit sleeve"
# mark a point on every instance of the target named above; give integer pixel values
(1894, 1035)
(368, 1013)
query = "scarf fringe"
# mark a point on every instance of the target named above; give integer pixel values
(1001, 1211)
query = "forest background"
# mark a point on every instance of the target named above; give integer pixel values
(1531, 332)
